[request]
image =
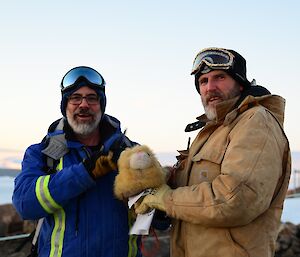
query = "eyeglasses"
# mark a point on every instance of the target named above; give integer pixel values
(91, 75)
(215, 58)
(77, 99)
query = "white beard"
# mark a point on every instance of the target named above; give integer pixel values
(86, 128)
(210, 112)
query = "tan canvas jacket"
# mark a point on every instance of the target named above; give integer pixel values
(232, 183)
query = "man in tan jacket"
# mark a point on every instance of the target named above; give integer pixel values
(230, 185)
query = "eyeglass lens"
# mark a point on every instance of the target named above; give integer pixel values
(77, 99)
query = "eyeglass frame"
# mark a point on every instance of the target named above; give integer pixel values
(84, 97)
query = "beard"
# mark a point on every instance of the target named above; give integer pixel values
(84, 128)
(210, 109)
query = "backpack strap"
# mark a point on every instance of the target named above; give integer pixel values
(56, 145)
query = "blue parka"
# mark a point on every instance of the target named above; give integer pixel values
(81, 215)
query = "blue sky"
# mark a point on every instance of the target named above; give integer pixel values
(144, 50)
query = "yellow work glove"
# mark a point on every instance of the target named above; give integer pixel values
(100, 165)
(153, 200)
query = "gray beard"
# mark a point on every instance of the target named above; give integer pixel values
(84, 129)
(210, 112)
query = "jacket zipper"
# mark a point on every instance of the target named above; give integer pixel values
(88, 154)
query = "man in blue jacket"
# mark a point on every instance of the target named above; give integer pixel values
(67, 179)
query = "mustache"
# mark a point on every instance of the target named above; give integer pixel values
(213, 94)
(84, 111)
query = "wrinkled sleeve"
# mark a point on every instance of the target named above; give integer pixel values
(38, 194)
(250, 171)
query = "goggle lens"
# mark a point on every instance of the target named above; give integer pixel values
(88, 73)
(213, 58)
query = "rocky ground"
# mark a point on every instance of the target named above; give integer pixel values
(288, 241)
(15, 248)
(154, 245)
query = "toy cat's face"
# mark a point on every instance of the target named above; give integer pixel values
(140, 160)
(138, 170)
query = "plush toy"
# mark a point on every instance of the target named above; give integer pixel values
(139, 169)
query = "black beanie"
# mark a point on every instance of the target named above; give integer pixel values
(239, 69)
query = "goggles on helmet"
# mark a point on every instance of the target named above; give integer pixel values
(214, 58)
(91, 75)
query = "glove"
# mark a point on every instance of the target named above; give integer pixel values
(99, 165)
(104, 164)
(153, 200)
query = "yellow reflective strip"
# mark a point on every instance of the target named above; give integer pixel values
(135, 245)
(132, 242)
(60, 165)
(129, 247)
(132, 246)
(38, 192)
(48, 195)
(129, 241)
(58, 232)
(57, 236)
(62, 232)
(43, 194)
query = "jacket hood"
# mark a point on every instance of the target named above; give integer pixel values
(274, 103)
(228, 111)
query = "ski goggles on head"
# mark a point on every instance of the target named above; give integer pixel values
(214, 58)
(82, 72)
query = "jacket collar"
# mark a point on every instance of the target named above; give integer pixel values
(227, 111)
(222, 110)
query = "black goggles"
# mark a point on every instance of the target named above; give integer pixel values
(92, 76)
(214, 58)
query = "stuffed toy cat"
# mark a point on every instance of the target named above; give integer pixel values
(139, 169)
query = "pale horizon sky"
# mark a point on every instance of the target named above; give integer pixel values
(144, 50)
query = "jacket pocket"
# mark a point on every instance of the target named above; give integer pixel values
(206, 165)
(214, 241)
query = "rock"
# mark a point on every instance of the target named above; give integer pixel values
(12, 224)
(10, 221)
(15, 248)
(28, 226)
(288, 241)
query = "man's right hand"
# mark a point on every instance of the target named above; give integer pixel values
(98, 166)
(104, 164)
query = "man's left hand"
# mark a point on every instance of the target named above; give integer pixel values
(153, 200)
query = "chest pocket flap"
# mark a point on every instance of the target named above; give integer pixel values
(211, 154)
